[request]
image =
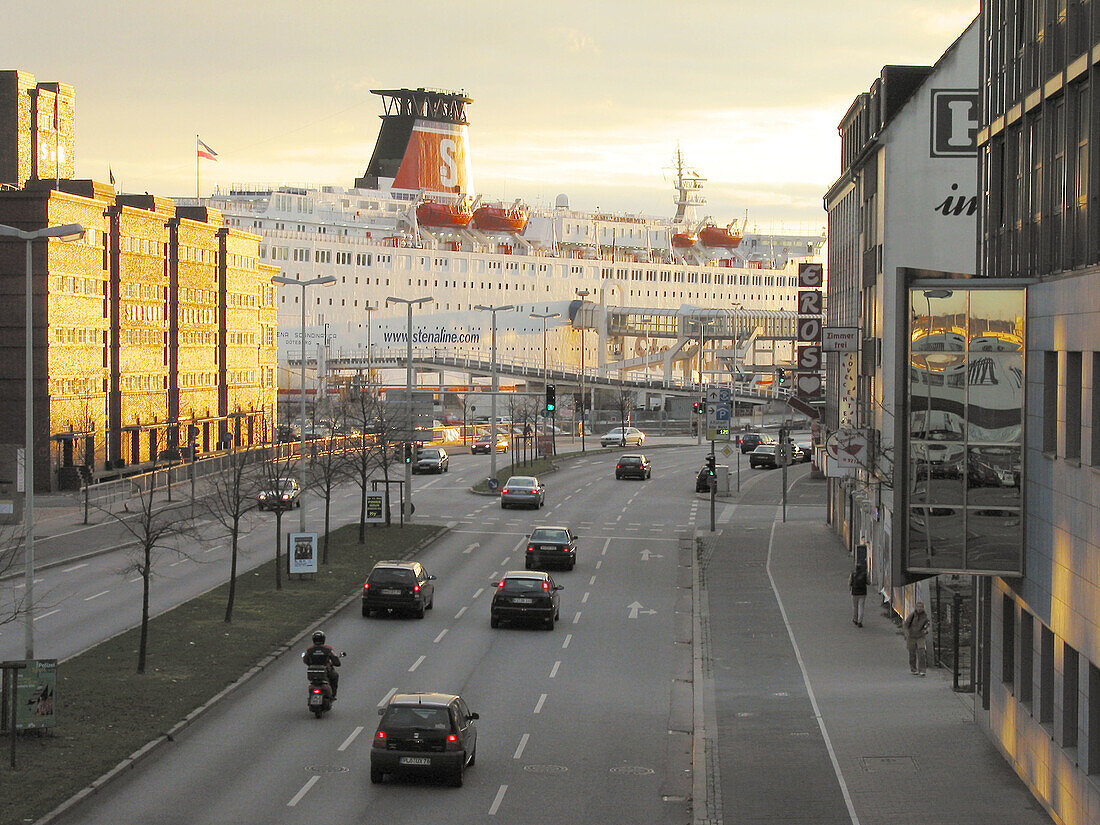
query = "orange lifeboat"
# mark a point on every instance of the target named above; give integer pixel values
(721, 237)
(682, 240)
(444, 215)
(511, 219)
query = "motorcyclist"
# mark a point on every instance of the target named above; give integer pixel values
(321, 655)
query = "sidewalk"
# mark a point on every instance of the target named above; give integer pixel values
(814, 720)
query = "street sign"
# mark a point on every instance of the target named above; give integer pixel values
(840, 339)
(848, 448)
(808, 385)
(804, 408)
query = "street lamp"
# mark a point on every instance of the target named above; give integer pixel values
(733, 392)
(582, 294)
(68, 232)
(322, 281)
(493, 397)
(369, 310)
(410, 303)
(545, 374)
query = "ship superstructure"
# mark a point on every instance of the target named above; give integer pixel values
(412, 226)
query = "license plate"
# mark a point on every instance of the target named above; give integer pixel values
(391, 592)
(523, 601)
(547, 547)
(316, 699)
(414, 760)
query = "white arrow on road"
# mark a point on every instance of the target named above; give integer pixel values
(646, 555)
(636, 608)
(472, 547)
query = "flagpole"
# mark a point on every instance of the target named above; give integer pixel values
(196, 167)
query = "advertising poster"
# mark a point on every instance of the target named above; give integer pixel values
(376, 507)
(35, 694)
(301, 553)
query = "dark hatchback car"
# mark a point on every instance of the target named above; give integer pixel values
(633, 466)
(403, 586)
(282, 494)
(431, 460)
(764, 456)
(522, 491)
(750, 441)
(430, 734)
(526, 596)
(551, 546)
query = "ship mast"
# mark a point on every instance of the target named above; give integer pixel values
(688, 186)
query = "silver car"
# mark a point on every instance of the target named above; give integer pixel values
(623, 437)
(522, 491)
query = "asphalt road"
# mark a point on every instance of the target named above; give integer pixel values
(582, 724)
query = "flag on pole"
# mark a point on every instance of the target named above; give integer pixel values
(205, 151)
(111, 173)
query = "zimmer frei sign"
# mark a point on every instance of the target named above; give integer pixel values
(807, 379)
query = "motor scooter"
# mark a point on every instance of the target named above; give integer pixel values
(320, 697)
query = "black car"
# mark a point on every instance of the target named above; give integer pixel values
(431, 460)
(750, 441)
(281, 494)
(551, 546)
(805, 451)
(525, 596)
(765, 456)
(399, 586)
(424, 733)
(633, 466)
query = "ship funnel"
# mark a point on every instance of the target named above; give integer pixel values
(423, 144)
(562, 202)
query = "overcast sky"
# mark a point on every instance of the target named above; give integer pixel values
(586, 98)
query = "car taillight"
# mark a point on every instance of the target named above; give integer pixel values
(500, 583)
(366, 585)
(534, 492)
(451, 743)
(416, 588)
(380, 739)
(530, 548)
(546, 585)
(505, 490)
(316, 690)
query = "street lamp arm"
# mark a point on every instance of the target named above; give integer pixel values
(65, 232)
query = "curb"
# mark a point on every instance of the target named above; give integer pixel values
(96, 785)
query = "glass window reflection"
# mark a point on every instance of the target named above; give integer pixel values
(995, 397)
(936, 538)
(938, 320)
(994, 540)
(996, 321)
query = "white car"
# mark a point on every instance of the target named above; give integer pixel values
(623, 437)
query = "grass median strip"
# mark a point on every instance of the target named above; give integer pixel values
(106, 711)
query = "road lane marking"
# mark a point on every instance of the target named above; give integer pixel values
(74, 567)
(458, 615)
(554, 669)
(305, 789)
(505, 560)
(599, 564)
(497, 800)
(177, 563)
(584, 598)
(568, 638)
(442, 633)
(472, 547)
(44, 615)
(522, 744)
(351, 738)
(481, 590)
(417, 663)
(539, 703)
(591, 581)
(577, 618)
(97, 595)
(387, 697)
(606, 544)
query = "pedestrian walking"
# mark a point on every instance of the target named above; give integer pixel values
(916, 634)
(857, 584)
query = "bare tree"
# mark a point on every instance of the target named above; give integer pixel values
(624, 405)
(232, 495)
(12, 606)
(277, 470)
(158, 528)
(328, 467)
(382, 430)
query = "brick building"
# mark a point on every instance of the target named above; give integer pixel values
(160, 319)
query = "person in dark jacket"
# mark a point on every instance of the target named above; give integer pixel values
(857, 583)
(916, 632)
(321, 655)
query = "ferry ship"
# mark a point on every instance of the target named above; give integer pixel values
(413, 226)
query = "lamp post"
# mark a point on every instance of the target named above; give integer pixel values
(68, 232)
(322, 281)
(493, 397)
(733, 394)
(582, 294)
(410, 303)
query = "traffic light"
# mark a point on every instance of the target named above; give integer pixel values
(781, 377)
(699, 407)
(551, 397)
(408, 452)
(710, 464)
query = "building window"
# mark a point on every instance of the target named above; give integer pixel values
(1050, 402)
(1073, 405)
(1027, 657)
(1070, 692)
(1046, 675)
(1008, 641)
(1094, 433)
(1093, 754)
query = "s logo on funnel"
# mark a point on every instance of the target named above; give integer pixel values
(436, 159)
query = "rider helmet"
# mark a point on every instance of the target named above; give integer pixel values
(318, 637)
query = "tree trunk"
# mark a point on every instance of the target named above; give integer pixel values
(328, 506)
(144, 642)
(232, 570)
(278, 548)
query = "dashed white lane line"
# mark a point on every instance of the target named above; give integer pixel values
(44, 615)
(417, 663)
(387, 697)
(599, 564)
(554, 669)
(350, 739)
(577, 618)
(97, 595)
(458, 615)
(442, 633)
(305, 789)
(584, 598)
(74, 567)
(504, 561)
(568, 639)
(481, 590)
(606, 544)
(522, 744)
(497, 800)
(539, 703)
(591, 581)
